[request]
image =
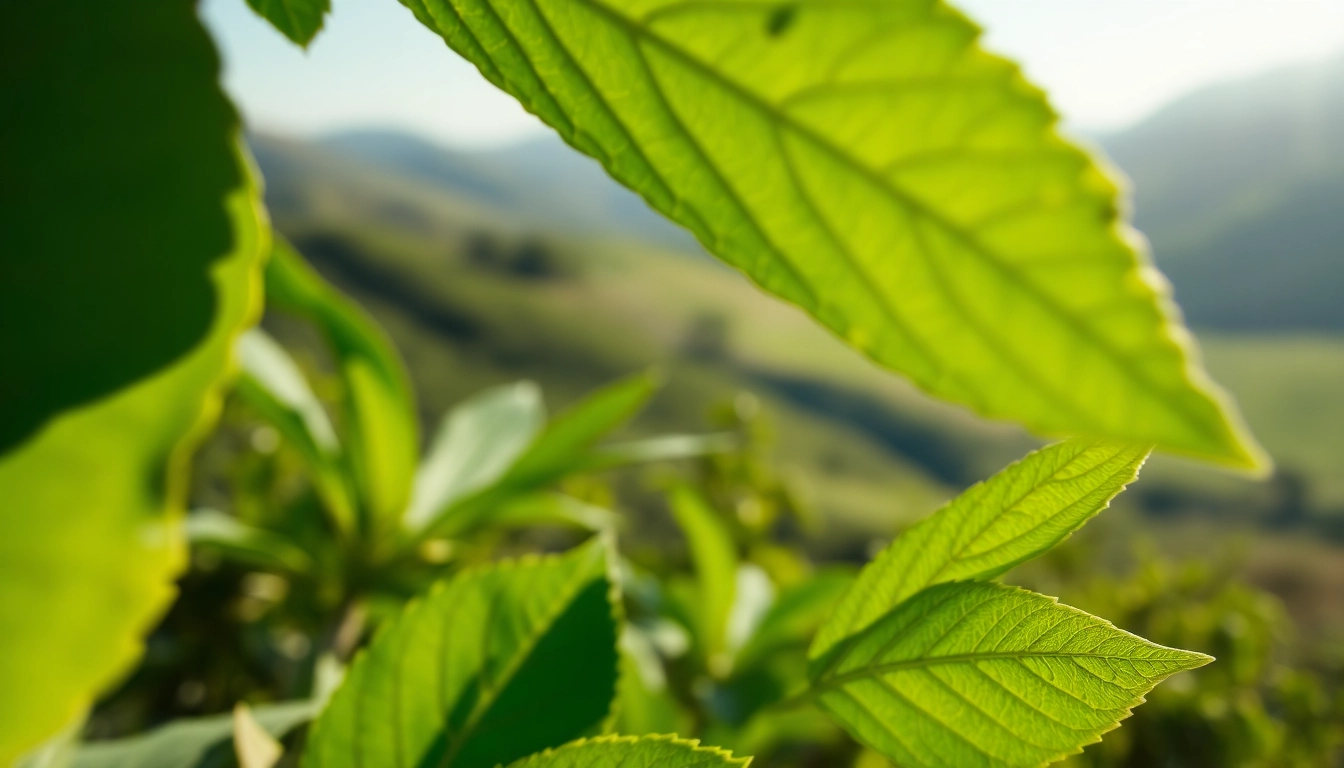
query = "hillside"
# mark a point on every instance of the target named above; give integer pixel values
(1238, 187)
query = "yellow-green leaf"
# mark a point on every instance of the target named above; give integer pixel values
(977, 673)
(870, 162)
(1025, 510)
(631, 751)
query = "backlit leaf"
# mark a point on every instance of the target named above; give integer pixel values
(869, 162)
(490, 666)
(1019, 513)
(977, 673)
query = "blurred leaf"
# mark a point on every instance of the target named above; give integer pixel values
(977, 673)
(490, 666)
(478, 442)
(273, 384)
(871, 163)
(630, 751)
(1024, 510)
(254, 747)
(644, 703)
(559, 450)
(93, 502)
(753, 594)
(111, 248)
(714, 556)
(299, 20)
(245, 543)
(381, 440)
(662, 448)
(796, 615)
(569, 436)
(204, 742)
(553, 509)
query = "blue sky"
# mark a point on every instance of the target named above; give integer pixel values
(1106, 63)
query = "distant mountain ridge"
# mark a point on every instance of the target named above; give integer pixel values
(1239, 187)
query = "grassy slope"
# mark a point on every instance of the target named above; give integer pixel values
(872, 451)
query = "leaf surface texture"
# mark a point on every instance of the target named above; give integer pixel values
(869, 162)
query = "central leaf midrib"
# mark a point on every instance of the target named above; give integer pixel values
(973, 245)
(837, 681)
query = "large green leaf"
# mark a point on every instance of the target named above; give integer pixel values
(869, 162)
(196, 743)
(92, 516)
(714, 555)
(1025, 510)
(978, 673)
(631, 751)
(299, 20)
(490, 666)
(381, 431)
(116, 168)
(130, 265)
(478, 442)
(273, 385)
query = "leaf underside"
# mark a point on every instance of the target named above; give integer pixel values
(1019, 513)
(981, 674)
(490, 666)
(869, 162)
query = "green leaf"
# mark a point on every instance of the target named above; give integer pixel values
(1021, 512)
(561, 449)
(714, 555)
(381, 432)
(644, 702)
(93, 500)
(661, 448)
(273, 385)
(553, 509)
(490, 666)
(478, 442)
(869, 162)
(299, 20)
(245, 543)
(569, 436)
(630, 751)
(204, 742)
(795, 615)
(978, 673)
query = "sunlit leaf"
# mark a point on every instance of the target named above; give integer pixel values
(244, 543)
(205, 742)
(1025, 510)
(381, 437)
(630, 751)
(490, 666)
(661, 448)
(299, 20)
(478, 442)
(977, 673)
(869, 162)
(273, 385)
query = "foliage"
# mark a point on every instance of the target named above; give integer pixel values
(752, 125)
(966, 245)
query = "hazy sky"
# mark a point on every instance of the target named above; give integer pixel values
(1106, 63)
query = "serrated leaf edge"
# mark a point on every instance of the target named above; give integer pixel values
(693, 744)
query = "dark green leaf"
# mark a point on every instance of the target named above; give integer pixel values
(299, 20)
(490, 666)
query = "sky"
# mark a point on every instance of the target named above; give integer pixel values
(1106, 63)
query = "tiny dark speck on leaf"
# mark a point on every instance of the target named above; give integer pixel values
(781, 19)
